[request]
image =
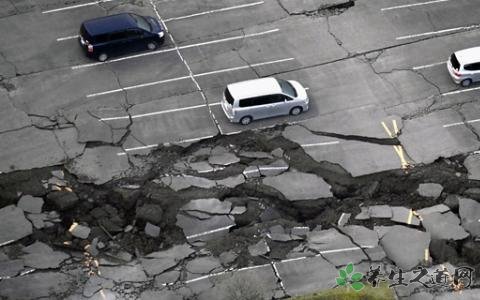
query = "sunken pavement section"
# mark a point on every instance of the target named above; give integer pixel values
(250, 216)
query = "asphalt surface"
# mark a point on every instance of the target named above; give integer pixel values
(383, 58)
(381, 99)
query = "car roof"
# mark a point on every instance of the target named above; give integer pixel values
(254, 88)
(469, 55)
(109, 24)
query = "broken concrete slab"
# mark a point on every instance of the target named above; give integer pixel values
(432, 190)
(469, 211)
(364, 214)
(257, 282)
(232, 181)
(41, 256)
(37, 285)
(223, 159)
(201, 266)
(336, 247)
(201, 167)
(155, 266)
(99, 165)
(273, 169)
(10, 268)
(182, 182)
(420, 136)
(13, 224)
(227, 258)
(472, 164)
(305, 276)
(195, 229)
(439, 208)
(380, 211)
(177, 252)
(405, 246)
(278, 152)
(255, 154)
(123, 273)
(251, 172)
(79, 231)
(361, 235)
(404, 215)
(369, 158)
(30, 204)
(299, 186)
(166, 278)
(260, 248)
(210, 205)
(444, 226)
(152, 230)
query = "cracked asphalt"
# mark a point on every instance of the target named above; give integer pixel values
(382, 104)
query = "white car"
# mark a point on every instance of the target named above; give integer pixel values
(464, 66)
(263, 98)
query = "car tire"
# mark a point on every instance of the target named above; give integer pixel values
(103, 57)
(151, 46)
(246, 120)
(295, 111)
(466, 82)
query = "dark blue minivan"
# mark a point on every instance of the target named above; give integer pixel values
(115, 35)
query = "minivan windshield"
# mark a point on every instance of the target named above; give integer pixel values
(454, 61)
(287, 88)
(228, 96)
(141, 22)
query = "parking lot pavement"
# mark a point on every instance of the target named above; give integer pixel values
(442, 131)
(173, 94)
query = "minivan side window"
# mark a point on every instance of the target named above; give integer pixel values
(247, 102)
(134, 33)
(119, 35)
(102, 38)
(472, 67)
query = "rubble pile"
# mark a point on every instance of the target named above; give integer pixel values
(229, 215)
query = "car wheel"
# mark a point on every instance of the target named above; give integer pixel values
(246, 120)
(296, 111)
(466, 82)
(151, 46)
(103, 57)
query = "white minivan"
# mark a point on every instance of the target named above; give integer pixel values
(263, 98)
(464, 66)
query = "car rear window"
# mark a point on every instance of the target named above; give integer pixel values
(455, 62)
(287, 88)
(141, 22)
(228, 96)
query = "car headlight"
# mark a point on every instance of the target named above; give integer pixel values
(161, 34)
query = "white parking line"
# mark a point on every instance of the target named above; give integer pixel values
(461, 123)
(320, 144)
(429, 66)
(464, 28)
(179, 48)
(71, 37)
(156, 145)
(412, 5)
(460, 91)
(209, 232)
(215, 11)
(75, 6)
(187, 77)
(160, 112)
(153, 113)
